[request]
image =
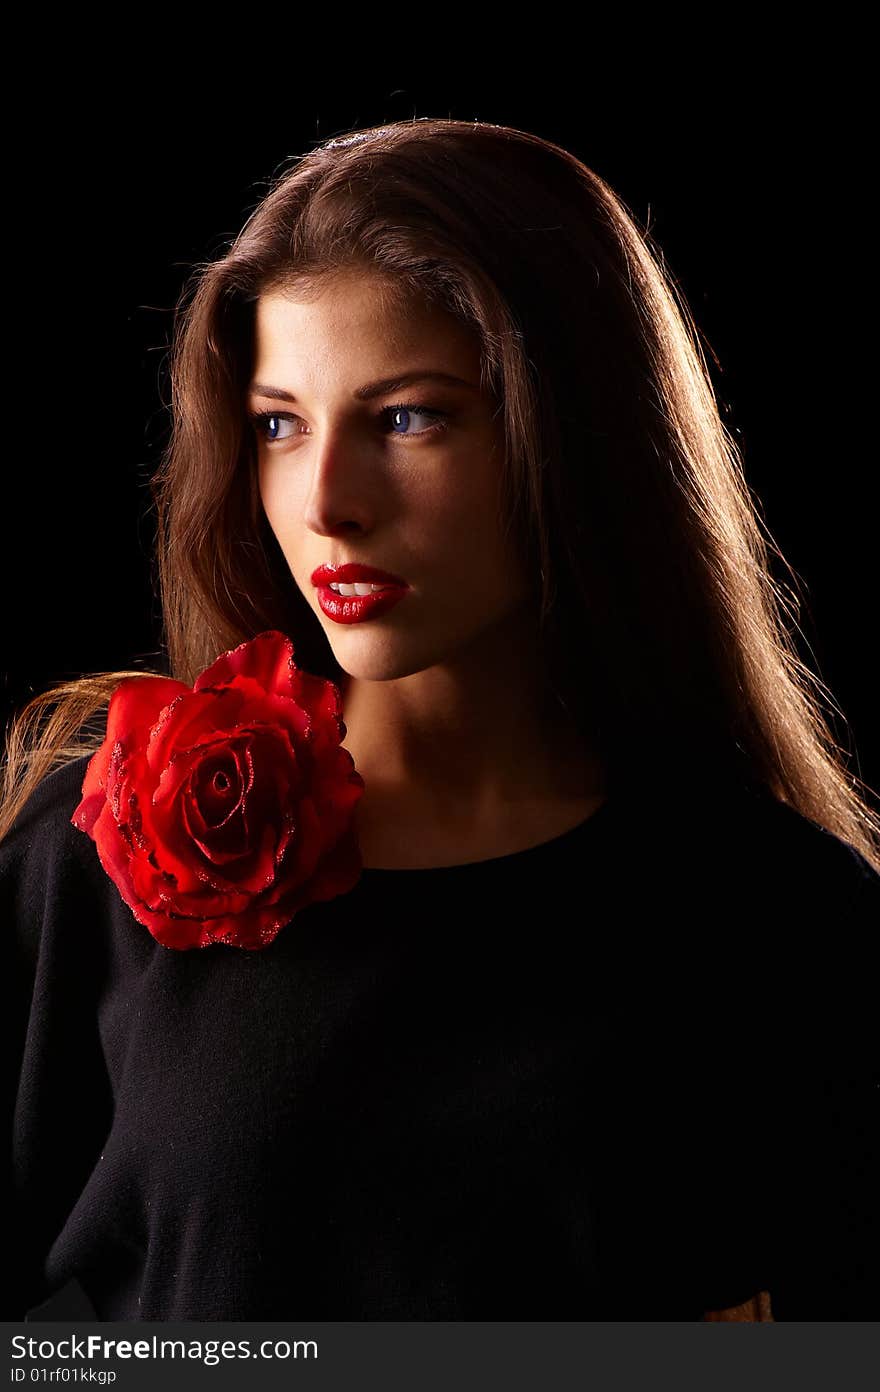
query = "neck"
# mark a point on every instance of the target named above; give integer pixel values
(480, 731)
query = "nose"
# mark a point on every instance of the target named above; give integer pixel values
(337, 499)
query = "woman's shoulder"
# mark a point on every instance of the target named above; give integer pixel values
(745, 835)
(808, 905)
(44, 820)
(806, 857)
(761, 906)
(745, 849)
(49, 869)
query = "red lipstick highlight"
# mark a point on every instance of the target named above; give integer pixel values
(347, 609)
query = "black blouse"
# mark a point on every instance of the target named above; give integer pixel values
(629, 1073)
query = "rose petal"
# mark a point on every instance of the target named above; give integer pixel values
(212, 803)
(268, 658)
(190, 719)
(137, 703)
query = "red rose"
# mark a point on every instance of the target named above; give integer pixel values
(221, 810)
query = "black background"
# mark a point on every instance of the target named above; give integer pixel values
(751, 183)
(127, 160)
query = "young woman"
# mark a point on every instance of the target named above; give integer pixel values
(584, 1035)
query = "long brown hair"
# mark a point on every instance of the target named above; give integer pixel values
(665, 633)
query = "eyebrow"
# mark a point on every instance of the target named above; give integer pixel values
(373, 389)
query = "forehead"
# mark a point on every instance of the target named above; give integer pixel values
(361, 313)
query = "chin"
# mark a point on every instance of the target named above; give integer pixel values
(375, 667)
(366, 654)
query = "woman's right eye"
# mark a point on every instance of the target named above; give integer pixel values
(264, 423)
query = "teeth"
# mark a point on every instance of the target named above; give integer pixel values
(357, 589)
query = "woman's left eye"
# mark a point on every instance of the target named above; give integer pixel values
(265, 422)
(407, 412)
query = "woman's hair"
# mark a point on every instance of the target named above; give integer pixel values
(664, 633)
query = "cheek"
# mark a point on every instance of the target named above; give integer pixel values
(264, 487)
(472, 523)
(492, 554)
(277, 498)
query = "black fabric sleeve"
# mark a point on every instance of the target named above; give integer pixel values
(823, 1104)
(822, 1201)
(787, 1143)
(58, 1095)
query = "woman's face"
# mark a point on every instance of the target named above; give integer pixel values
(350, 476)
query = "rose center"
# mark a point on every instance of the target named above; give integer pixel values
(222, 782)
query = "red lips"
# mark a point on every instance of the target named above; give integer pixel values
(351, 572)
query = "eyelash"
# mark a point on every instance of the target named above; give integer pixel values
(261, 418)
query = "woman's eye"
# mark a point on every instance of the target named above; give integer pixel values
(267, 422)
(402, 421)
(403, 415)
